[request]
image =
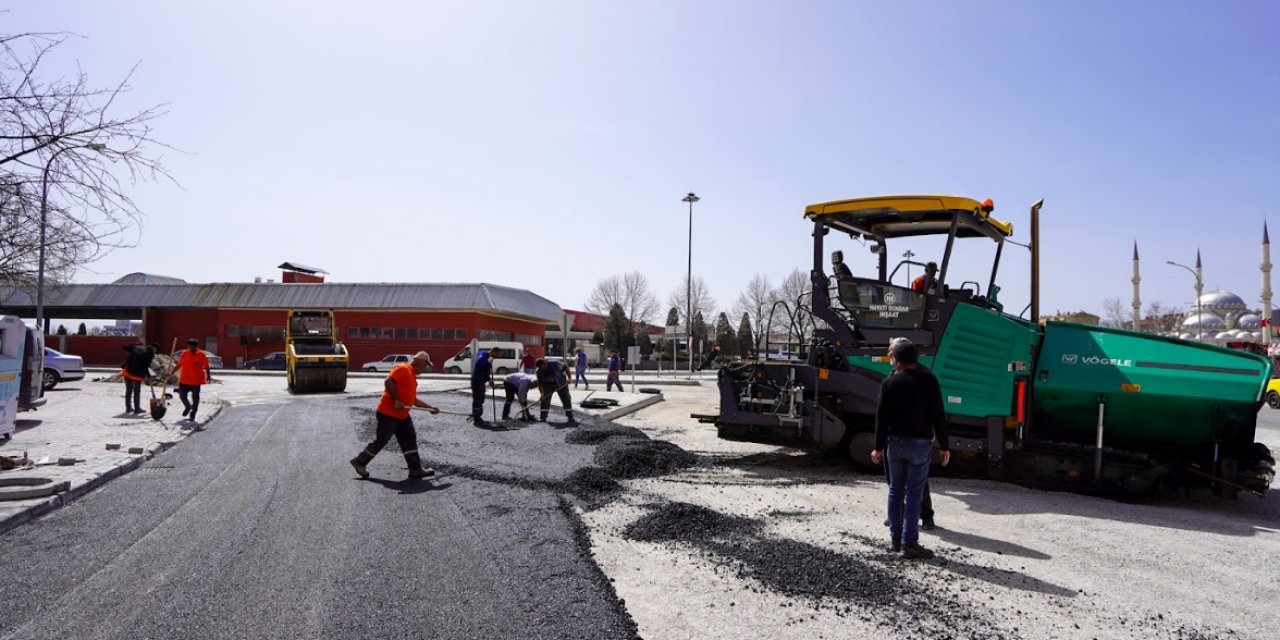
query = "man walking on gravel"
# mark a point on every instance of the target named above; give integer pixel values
(193, 373)
(908, 417)
(400, 392)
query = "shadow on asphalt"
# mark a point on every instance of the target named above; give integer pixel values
(411, 486)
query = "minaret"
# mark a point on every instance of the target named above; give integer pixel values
(1199, 294)
(1266, 286)
(1137, 302)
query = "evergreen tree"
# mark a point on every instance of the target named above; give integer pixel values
(597, 338)
(673, 317)
(726, 338)
(617, 330)
(746, 339)
(699, 331)
(645, 342)
(62, 330)
(83, 330)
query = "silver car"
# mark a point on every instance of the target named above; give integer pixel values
(60, 367)
(387, 363)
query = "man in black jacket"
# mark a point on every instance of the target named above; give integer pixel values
(135, 369)
(908, 417)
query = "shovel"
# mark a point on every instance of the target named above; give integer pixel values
(158, 405)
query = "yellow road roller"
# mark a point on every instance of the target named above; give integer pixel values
(315, 361)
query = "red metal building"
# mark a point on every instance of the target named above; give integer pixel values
(242, 321)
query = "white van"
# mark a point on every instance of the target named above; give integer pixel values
(508, 360)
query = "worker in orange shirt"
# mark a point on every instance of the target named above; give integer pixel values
(193, 371)
(926, 282)
(400, 392)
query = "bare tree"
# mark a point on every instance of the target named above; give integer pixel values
(794, 291)
(65, 136)
(607, 293)
(631, 291)
(702, 301)
(1114, 313)
(1160, 318)
(755, 302)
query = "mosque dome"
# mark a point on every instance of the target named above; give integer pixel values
(1221, 300)
(1203, 320)
(1225, 336)
(1187, 336)
(1249, 321)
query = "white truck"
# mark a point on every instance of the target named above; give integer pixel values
(508, 360)
(21, 372)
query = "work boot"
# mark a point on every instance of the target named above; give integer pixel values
(927, 525)
(421, 472)
(360, 462)
(506, 415)
(895, 545)
(916, 552)
(542, 417)
(572, 422)
(361, 469)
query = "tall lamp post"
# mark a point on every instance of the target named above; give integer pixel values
(1199, 291)
(688, 285)
(44, 218)
(908, 254)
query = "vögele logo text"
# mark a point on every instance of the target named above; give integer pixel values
(1072, 358)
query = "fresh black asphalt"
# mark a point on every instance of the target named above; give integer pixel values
(257, 527)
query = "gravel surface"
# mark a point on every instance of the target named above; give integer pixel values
(761, 541)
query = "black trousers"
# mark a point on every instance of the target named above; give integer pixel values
(477, 397)
(132, 394)
(402, 428)
(194, 390)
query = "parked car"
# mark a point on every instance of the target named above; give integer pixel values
(60, 367)
(274, 361)
(215, 360)
(1273, 393)
(386, 363)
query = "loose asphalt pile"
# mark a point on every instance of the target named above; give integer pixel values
(621, 453)
(873, 586)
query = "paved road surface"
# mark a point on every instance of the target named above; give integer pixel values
(257, 528)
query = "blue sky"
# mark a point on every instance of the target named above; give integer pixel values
(545, 145)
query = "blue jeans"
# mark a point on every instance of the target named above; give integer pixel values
(580, 375)
(908, 462)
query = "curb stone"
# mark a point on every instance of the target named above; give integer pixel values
(76, 490)
(632, 408)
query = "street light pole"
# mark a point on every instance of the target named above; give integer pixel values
(1199, 292)
(688, 285)
(44, 218)
(908, 254)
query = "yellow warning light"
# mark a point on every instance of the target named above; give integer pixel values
(824, 374)
(1129, 387)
